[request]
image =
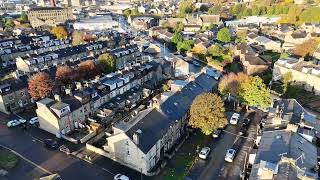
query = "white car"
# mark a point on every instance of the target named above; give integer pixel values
(34, 120)
(120, 177)
(234, 118)
(204, 153)
(231, 153)
(13, 123)
(22, 121)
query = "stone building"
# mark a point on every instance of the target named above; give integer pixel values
(48, 16)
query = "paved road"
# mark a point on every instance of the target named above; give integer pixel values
(29, 145)
(211, 168)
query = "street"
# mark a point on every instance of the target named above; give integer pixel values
(39, 161)
(215, 166)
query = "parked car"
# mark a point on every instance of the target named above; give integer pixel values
(195, 63)
(13, 123)
(243, 130)
(64, 149)
(51, 144)
(120, 177)
(34, 120)
(22, 121)
(216, 133)
(231, 153)
(204, 153)
(234, 118)
(246, 122)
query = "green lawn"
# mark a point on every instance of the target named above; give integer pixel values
(8, 160)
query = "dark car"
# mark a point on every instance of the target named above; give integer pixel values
(246, 122)
(216, 133)
(51, 144)
(243, 131)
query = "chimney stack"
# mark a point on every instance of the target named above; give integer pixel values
(53, 3)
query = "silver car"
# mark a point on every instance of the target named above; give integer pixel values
(204, 153)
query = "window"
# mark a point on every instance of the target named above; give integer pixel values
(128, 153)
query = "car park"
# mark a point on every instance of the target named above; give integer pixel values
(51, 144)
(204, 153)
(13, 123)
(216, 133)
(34, 120)
(234, 118)
(231, 153)
(120, 177)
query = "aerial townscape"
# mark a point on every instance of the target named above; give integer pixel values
(159, 89)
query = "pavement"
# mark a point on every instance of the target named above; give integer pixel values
(37, 161)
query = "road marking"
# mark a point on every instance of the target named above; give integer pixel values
(29, 161)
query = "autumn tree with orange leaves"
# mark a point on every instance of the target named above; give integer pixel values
(231, 83)
(306, 48)
(40, 86)
(64, 74)
(87, 69)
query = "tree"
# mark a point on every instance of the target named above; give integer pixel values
(287, 77)
(64, 74)
(127, 12)
(107, 63)
(307, 48)
(165, 24)
(215, 50)
(9, 24)
(199, 50)
(311, 15)
(40, 86)
(207, 113)
(215, 9)
(23, 17)
(177, 37)
(224, 35)
(77, 38)
(230, 84)
(253, 92)
(87, 69)
(165, 87)
(59, 32)
(179, 27)
(184, 45)
(185, 7)
(203, 8)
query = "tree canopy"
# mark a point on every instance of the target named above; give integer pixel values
(207, 113)
(107, 63)
(40, 86)
(179, 27)
(177, 37)
(185, 7)
(307, 48)
(184, 45)
(224, 35)
(253, 92)
(9, 24)
(215, 50)
(77, 38)
(59, 32)
(64, 74)
(231, 83)
(87, 69)
(23, 17)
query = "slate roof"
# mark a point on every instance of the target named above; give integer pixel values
(153, 126)
(289, 144)
(155, 123)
